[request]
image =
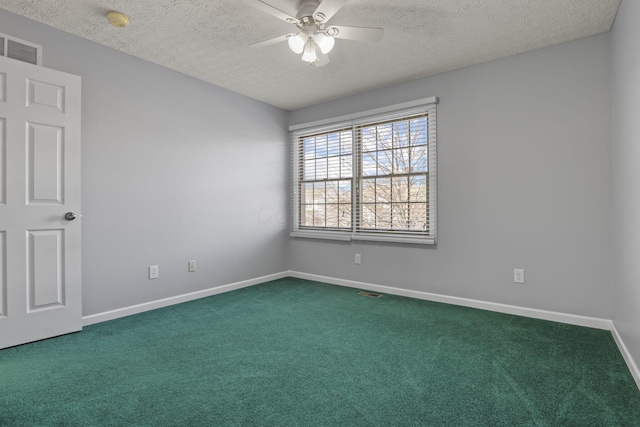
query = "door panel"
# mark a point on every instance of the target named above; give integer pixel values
(3, 161)
(3, 86)
(40, 278)
(45, 175)
(3, 276)
(45, 95)
(45, 269)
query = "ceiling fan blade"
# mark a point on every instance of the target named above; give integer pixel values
(266, 8)
(272, 41)
(323, 60)
(327, 9)
(366, 34)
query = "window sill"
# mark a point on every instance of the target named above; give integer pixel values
(368, 237)
(394, 238)
(326, 235)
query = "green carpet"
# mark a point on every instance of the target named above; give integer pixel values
(298, 353)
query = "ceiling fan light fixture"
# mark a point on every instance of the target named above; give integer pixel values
(312, 30)
(309, 54)
(297, 42)
(324, 42)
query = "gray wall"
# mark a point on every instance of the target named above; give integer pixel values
(173, 169)
(626, 174)
(524, 182)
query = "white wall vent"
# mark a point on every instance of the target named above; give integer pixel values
(22, 50)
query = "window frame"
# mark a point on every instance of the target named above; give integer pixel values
(354, 122)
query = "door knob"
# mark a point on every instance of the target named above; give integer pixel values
(69, 216)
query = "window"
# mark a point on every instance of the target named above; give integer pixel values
(326, 178)
(368, 177)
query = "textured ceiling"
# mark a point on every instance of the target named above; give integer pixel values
(208, 39)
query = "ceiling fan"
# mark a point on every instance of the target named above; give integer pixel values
(312, 31)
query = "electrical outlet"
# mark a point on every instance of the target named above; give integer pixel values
(153, 272)
(518, 275)
(358, 259)
(192, 266)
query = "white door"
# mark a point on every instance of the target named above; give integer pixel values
(40, 289)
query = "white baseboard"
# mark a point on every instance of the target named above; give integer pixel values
(635, 372)
(572, 319)
(152, 305)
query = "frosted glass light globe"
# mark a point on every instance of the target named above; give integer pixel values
(309, 54)
(324, 42)
(297, 42)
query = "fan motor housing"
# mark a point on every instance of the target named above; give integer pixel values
(307, 7)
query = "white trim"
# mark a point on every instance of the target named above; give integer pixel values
(327, 235)
(370, 237)
(393, 238)
(363, 114)
(626, 355)
(571, 319)
(433, 171)
(165, 302)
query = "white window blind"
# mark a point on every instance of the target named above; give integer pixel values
(370, 177)
(325, 180)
